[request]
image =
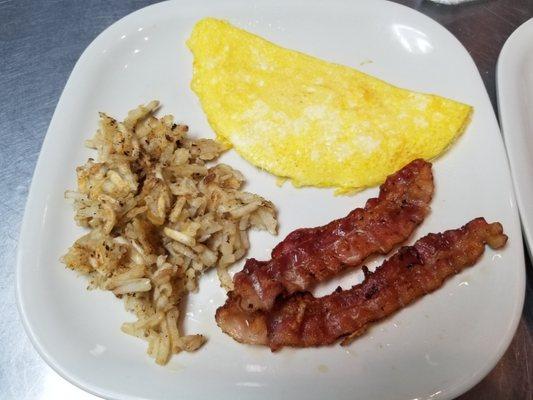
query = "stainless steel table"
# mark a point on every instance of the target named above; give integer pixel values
(39, 43)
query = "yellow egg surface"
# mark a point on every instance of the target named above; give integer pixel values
(317, 123)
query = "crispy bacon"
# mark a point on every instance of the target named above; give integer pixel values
(302, 320)
(310, 255)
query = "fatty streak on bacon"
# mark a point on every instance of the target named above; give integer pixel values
(303, 320)
(311, 255)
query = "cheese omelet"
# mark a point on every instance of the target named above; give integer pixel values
(314, 122)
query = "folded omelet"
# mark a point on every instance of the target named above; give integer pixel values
(317, 123)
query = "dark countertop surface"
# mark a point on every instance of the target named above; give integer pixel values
(39, 45)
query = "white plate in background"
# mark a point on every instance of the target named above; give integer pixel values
(437, 348)
(514, 81)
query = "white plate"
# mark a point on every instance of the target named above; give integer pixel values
(514, 80)
(437, 348)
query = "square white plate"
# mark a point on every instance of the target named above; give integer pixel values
(437, 348)
(514, 80)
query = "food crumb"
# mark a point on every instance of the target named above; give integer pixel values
(323, 368)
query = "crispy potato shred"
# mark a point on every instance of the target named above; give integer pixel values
(159, 215)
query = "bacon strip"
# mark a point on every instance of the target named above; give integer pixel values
(303, 320)
(310, 255)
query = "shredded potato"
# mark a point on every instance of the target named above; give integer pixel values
(159, 216)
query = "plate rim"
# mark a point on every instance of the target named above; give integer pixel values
(31, 199)
(508, 57)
